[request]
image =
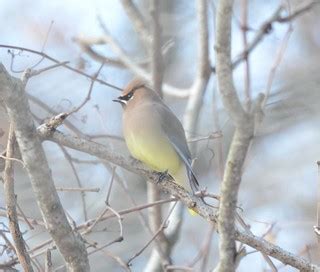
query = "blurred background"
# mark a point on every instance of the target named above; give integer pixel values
(279, 191)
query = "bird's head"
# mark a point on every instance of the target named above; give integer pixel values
(128, 94)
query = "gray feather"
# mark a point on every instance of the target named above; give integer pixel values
(175, 133)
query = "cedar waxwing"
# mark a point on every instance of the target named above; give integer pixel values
(154, 135)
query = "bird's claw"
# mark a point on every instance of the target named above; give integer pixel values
(162, 176)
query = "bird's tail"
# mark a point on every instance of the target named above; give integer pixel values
(192, 212)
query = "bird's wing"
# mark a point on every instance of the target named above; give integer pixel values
(175, 133)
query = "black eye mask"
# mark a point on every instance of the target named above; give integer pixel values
(129, 95)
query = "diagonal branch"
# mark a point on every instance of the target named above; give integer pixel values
(137, 20)
(167, 185)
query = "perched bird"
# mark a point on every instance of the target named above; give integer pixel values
(154, 135)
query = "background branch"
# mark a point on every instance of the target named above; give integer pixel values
(244, 124)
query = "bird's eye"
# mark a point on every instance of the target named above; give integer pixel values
(129, 96)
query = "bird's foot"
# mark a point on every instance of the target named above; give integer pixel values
(163, 175)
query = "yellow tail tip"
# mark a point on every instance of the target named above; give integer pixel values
(192, 212)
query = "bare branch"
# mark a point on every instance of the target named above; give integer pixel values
(190, 121)
(277, 62)
(264, 29)
(70, 244)
(167, 185)
(198, 88)
(105, 153)
(88, 96)
(109, 255)
(276, 252)
(64, 189)
(10, 198)
(135, 68)
(161, 228)
(244, 30)
(48, 263)
(137, 20)
(28, 220)
(299, 11)
(247, 229)
(60, 63)
(79, 183)
(32, 73)
(155, 47)
(87, 46)
(244, 124)
(160, 248)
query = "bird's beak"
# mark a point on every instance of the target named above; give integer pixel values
(119, 100)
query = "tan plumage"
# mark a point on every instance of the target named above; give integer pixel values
(154, 135)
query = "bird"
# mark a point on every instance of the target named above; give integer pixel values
(154, 135)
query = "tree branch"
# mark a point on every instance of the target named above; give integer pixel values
(155, 47)
(203, 70)
(167, 185)
(137, 20)
(191, 117)
(244, 124)
(276, 252)
(63, 64)
(10, 197)
(69, 243)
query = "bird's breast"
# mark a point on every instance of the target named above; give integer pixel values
(147, 142)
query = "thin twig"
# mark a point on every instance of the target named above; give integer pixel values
(113, 172)
(134, 209)
(299, 11)
(247, 229)
(161, 228)
(119, 217)
(277, 61)
(48, 262)
(106, 201)
(72, 189)
(98, 248)
(155, 47)
(88, 97)
(244, 30)
(204, 250)
(59, 62)
(10, 198)
(24, 218)
(316, 228)
(12, 159)
(178, 268)
(79, 183)
(45, 69)
(212, 136)
(144, 223)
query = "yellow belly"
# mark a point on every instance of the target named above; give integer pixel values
(158, 154)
